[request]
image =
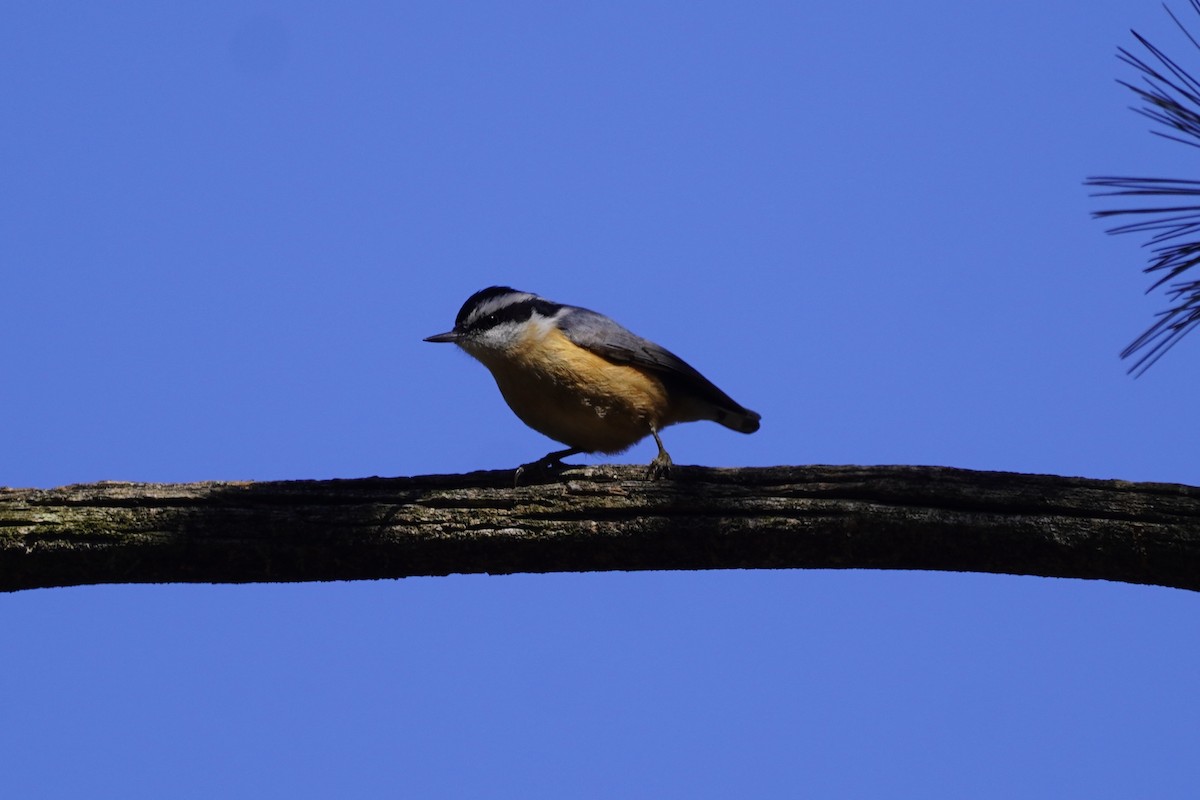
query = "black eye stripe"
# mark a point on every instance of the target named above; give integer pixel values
(478, 299)
(515, 312)
(505, 304)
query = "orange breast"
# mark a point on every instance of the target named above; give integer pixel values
(576, 397)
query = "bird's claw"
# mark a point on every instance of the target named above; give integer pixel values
(539, 468)
(660, 467)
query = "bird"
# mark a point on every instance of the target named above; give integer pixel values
(582, 379)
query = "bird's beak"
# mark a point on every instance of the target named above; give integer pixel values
(448, 336)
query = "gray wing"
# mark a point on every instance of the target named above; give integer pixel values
(606, 338)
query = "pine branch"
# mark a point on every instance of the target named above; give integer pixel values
(1170, 98)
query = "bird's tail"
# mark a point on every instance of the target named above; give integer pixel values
(739, 419)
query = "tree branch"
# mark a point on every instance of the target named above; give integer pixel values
(602, 518)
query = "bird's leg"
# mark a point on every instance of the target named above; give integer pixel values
(661, 465)
(548, 462)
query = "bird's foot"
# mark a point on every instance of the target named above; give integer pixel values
(660, 467)
(537, 469)
(549, 464)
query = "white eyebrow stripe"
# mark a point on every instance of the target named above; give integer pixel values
(494, 304)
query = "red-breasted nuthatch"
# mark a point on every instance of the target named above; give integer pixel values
(582, 379)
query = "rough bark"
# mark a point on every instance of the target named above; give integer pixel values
(602, 518)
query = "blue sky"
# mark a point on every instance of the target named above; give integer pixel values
(226, 227)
